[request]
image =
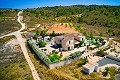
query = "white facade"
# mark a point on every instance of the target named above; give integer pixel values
(89, 68)
(67, 41)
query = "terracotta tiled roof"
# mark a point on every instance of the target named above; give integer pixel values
(68, 37)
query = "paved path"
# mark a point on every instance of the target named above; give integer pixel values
(22, 41)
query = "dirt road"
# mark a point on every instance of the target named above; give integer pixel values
(22, 41)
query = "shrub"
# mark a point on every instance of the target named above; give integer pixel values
(35, 37)
(101, 39)
(53, 34)
(103, 42)
(83, 61)
(81, 42)
(105, 73)
(101, 53)
(54, 52)
(41, 43)
(74, 55)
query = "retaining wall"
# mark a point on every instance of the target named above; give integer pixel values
(61, 63)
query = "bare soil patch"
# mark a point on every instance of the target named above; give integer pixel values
(62, 28)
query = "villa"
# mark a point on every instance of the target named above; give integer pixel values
(68, 41)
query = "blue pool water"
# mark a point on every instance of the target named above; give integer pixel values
(88, 41)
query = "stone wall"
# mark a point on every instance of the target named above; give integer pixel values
(57, 64)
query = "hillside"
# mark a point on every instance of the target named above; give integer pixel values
(98, 18)
(107, 16)
(8, 21)
(13, 65)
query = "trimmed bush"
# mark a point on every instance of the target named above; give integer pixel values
(41, 43)
(101, 53)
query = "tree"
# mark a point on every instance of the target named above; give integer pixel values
(35, 37)
(80, 19)
(85, 34)
(109, 32)
(80, 43)
(100, 35)
(53, 34)
(37, 32)
(101, 53)
(41, 43)
(91, 35)
(43, 34)
(105, 73)
(83, 61)
(78, 28)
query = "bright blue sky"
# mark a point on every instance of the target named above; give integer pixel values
(41, 3)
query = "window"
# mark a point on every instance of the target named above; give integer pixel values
(69, 42)
(82, 38)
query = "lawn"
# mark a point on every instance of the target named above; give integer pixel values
(54, 57)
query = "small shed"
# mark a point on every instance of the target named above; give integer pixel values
(90, 67)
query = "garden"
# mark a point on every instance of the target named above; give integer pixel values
(53, 57)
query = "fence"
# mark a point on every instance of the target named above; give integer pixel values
(47, 62)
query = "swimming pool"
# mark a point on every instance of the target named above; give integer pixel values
(88, 42)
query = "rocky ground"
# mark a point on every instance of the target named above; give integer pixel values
(13, 65)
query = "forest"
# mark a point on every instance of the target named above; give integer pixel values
(99, 15)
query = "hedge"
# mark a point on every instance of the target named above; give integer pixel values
(40, 54)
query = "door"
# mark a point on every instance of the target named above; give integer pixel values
(68, 48)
